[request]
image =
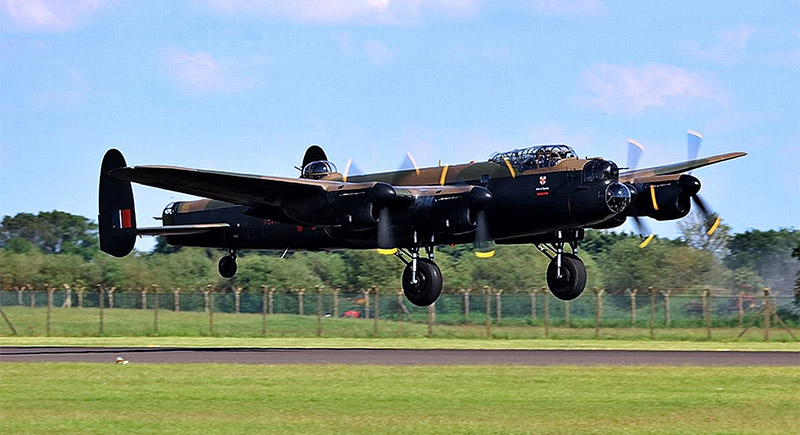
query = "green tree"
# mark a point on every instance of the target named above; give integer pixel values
(770, 254)
(52, 232)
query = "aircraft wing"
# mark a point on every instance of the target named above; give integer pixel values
(676, 168)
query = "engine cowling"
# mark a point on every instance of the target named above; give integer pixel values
(665, 200)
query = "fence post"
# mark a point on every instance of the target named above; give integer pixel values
(272, 301)
(20, 292)
(666, 294)
(319, 310)
(176, 299)
(707, 313)
(598, 310)
(67, 296)
(49, 308)
(499, 306)
(100, 306)
(488, 294)
(767, 310)
(33, 297)
(264, 310)
(144, 298)
(740, 307)
(300, 307)
(652, 312)
(206, 298)
(336, 303)
(376, 313)
(533, 305)
(633, 307)
(566, 313)
(237, 299)
(365, 292)
(80, 296)
(431, 314)
(155, 309)
(210, 293)
(465, 292)
(546, 295)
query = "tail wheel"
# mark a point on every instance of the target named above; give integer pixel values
(427, 286)
(569, 284)
(227, 266)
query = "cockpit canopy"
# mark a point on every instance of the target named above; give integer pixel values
(537, 156)
(318, 169)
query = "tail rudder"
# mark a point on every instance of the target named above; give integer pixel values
(117, 218)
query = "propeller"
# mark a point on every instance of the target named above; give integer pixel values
(409, 163)
(350, 168)
(711, 219)
(695, 139)
(635, 150)
(642, 229)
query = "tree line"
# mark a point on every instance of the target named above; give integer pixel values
(52, 248)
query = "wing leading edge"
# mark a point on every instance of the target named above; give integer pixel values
(677, 168)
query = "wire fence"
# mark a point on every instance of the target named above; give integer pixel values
(307, 312)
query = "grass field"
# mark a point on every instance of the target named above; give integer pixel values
(31, 322)
(215, 398)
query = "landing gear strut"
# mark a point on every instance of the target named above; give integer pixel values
(566, 273)
(422, 278)
(227, 265)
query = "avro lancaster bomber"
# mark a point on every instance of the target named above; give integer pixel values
(543, 195)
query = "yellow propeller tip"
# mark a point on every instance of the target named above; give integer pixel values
(646, 241)
(489, 254)
(713, 228)
(391, 251)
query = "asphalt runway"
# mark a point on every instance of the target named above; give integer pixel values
(399, 356)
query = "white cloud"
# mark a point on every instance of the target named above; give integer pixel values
(630, 90)
(569, 8)
(371, 12)
(201, 72)
(49, 15)
(730, 47)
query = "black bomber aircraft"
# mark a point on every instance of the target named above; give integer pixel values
(544, 195)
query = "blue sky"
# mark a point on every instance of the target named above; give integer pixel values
(246, 86)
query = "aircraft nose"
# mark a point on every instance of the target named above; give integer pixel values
(618, 196)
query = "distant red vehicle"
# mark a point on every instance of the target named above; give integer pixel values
(352, 313)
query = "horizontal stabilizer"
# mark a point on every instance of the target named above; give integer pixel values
(181, 230)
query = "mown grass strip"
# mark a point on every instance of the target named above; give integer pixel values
(83, 322)
(393, 343)
(217, 398)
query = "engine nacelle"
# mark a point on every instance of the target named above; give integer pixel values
(667, 200)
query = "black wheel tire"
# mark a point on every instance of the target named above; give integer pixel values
(227, 266)
(428, 286)
(573, 277)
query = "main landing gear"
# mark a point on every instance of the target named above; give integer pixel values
(227, 264)
(566, 273)
(422, 278)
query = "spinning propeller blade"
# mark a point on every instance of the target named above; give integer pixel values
(642, 229)
(635, 150)
(695, 139)
(409, 163)
(350, 168)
